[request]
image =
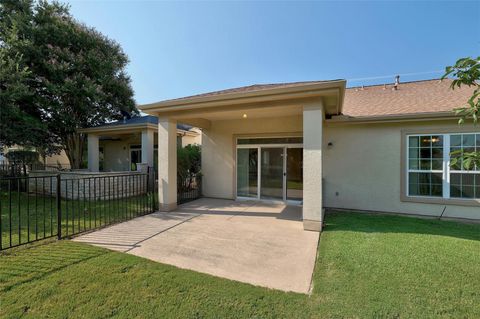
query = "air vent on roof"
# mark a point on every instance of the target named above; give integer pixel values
(397, 82)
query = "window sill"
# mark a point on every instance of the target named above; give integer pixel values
(440, 201)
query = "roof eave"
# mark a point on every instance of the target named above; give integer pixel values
(118, 128)
(307, 90)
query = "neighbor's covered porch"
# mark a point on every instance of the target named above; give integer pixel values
(255, 145)
(121, 147)
(125, 146)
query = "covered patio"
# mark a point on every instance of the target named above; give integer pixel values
(130, 144)
(257, 243)
(260, 142)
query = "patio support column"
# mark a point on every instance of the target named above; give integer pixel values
(93, 153)
(167, 164)
(312, 166)
(147, 147)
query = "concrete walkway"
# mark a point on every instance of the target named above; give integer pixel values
(257, 243)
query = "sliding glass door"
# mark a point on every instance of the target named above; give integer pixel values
(294, 178)
(270, 172)
(247, 172)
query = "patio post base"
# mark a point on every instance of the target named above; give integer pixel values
(167, 207)
(312, 225)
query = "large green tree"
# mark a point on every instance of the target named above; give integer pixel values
(59, 76)
(466, 72)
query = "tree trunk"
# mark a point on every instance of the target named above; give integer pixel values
(74, 149)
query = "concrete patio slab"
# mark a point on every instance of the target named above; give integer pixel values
(252, 242)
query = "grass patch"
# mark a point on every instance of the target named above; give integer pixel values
(29, 217)
(368, 267)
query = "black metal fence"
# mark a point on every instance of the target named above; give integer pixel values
(36, 208)
(189, 188)
(19, 169)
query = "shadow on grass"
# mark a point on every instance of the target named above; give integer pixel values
(22, 266)
(384, 223)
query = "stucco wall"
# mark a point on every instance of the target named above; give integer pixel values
(190, 140)
(362, 170)
(218, 151)
(116, 154)
(58, 159)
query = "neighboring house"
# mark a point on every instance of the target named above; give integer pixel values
(379, 148)
(55, 160)
(122, 145)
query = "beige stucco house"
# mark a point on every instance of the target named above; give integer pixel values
(57, 160)
(381, 148)
(126, 145)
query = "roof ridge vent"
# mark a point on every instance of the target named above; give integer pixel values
(397, 82)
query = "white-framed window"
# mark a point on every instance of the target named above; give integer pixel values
(429, 173)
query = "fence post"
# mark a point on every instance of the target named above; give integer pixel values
(147, 191)
(59, 207)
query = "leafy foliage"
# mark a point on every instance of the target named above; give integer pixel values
(22, 157)
(59, 76)
(466, 71)
(188, 161)
(467, 160)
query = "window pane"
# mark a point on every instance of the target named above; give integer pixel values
(413, 141)
(437, 152)
(456, 179)
(413, 164)
(455, 191)
(437, 164)
(428, 149)
(437, 190)
(425, 141)
(437, 141)
(468, 191)
(247, 165)
(413, 153)
(425, 153)
(425, 165)
(468, 179)
(468, 140)
(424, 190)
(413, 189)
(424, 178)
(436, 178)
(456, 140)
(464, 185)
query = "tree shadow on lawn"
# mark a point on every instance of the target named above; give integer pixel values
(385, 223)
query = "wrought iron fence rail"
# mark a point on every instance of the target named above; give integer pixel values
(34, 208)
(39, 207)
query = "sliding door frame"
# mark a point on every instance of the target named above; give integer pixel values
(259, 148)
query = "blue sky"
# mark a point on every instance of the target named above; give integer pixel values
(184, 48)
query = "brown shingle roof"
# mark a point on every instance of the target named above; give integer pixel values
(429, 96)
(251, 88)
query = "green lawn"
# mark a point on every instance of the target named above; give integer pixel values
(32, 217)
(369, 266)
